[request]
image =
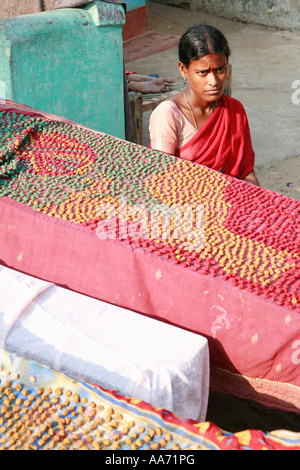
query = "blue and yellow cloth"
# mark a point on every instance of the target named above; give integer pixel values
(42, 409)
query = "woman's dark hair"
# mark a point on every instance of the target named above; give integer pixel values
(200, 40)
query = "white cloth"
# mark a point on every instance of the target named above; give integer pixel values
(106, 345)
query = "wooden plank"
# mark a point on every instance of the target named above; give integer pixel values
(136, 107)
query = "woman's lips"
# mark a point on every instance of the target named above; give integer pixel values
(215, 91)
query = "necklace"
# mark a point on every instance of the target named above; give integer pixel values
(189, 106)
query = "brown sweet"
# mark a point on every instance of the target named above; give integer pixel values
(33, 417)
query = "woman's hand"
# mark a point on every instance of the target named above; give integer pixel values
(251, 178)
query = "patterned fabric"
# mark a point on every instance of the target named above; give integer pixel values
(67, 172)
(42, 409)
(122, 223)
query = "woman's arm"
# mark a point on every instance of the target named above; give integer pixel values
(163, 128)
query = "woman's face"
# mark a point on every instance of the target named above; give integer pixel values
(206, 77)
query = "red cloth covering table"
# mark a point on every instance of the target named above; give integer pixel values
(230, 272)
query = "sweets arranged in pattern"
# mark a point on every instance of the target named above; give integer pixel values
(41, 409)
(247, 235)
(33, 418)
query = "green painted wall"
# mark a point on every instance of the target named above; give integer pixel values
(67, 62)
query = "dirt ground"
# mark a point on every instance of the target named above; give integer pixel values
(283, 176)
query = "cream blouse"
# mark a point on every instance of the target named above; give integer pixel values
(169, 128)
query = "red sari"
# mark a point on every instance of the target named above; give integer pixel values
(223, 143)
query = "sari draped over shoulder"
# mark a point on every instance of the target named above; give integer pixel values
(223, 143)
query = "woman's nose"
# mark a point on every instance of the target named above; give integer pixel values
(212, 78)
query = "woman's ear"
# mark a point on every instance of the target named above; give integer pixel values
(182, 69)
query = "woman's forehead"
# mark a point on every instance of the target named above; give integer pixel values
(209, 61)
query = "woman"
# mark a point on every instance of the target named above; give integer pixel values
(201, 124)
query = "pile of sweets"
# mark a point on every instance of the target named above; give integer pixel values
(42, 409)
(182, 212)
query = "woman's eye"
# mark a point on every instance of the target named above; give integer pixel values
(204, 73)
